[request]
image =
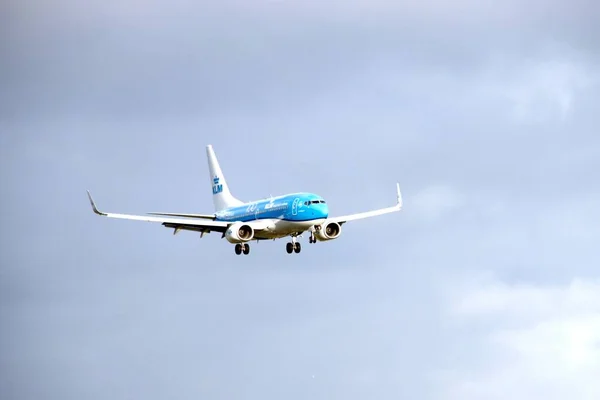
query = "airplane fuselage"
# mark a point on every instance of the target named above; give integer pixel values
(282, 215)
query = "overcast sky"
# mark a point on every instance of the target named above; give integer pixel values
(485, 286)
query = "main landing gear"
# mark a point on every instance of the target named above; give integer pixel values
(293, 246)
(242, 248)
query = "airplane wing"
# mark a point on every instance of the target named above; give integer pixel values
(204, 226)
(381, 211)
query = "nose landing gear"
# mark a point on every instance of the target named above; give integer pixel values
(313, 238)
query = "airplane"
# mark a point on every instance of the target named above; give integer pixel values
(266, 219)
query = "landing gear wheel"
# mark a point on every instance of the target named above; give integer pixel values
(289, 247)
(246, 248)
(297, 247)
(238, 249)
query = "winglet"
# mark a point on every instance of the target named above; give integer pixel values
(399, 194)
(94, 205)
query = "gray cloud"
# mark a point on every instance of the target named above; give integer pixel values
(128, 58)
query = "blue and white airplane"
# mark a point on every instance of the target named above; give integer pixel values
(266, 219)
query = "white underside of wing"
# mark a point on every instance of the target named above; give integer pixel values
(169, 220)
(368, 214)
(373, 213)
(201, 216)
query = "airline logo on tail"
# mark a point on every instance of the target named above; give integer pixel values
(217, 188)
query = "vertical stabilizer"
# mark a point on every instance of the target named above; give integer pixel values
(222, 197)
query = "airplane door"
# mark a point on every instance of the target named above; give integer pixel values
(295, 206)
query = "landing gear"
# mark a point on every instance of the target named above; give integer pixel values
(293, 246)
(239, 248)
(312, 238)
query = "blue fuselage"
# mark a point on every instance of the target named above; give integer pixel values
(298, 207)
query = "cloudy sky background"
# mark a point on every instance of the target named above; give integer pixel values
(486, 285)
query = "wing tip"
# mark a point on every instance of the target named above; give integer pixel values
(94, 208)
(398, 196)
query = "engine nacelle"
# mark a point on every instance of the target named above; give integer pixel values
(327, 231)
(238, 233)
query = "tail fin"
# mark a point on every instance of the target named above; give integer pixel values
(222, 197)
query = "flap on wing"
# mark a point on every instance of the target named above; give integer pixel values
(195, 228)
(200, 216)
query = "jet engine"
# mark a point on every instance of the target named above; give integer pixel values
(327, 231)
(239, 232)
